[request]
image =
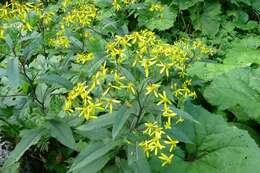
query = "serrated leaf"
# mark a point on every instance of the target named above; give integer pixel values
(236, 57)
(242, 57)
(62, 132)
(209, 21)
(208, 71)
(162, 21)
(29, 138)
(219, 148)
(236, 91)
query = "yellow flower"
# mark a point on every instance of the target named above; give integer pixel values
(164, 99)
(150, 127)
(1, 33)
(165, 67)
(146, 63)
(169, 114)
(83, 58)
(166, 159)
(167, 125)
(146, 147)
(116, 5)
(130, 87)
(60, 41)
(81, 15)
(89, 110)
(171, 142)
(68, 106)
(156, 7)
(110, 102)
(152, 88)
(156, 146)
(118, 77)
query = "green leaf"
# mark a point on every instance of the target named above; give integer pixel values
(185, 4)
(237, 91)
(14, 168)
(62, 132)
(236, 57)
(162, 21)
(9, 41)
(219, 148)
(57, 79)
(32, 47)
(238, 2)
(29, 138)
(208, 71)
(91, 153)
(101, 121)
(137, 160)
(94, 65)
(13, 72)
(76, 42)
(242, 57)
(209, 21)
(121, 118)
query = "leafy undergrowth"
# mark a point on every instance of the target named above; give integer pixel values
(130, 86)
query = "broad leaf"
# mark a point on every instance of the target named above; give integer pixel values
(92, 153)
(185, 4)
(121, 118)
(209, 21)
(101, 121)
(208, 71)
(240, 56)
(237, 91)
(219, 148)
(61, 132)
(13, 72)
(29, 138)
(57, 79)
(162, 21)
(137, 160)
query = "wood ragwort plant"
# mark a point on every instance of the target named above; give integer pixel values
(111, 86)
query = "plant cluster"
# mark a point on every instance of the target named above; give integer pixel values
(137, 86)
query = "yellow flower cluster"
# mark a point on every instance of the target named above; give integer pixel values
(119, 4)
(142, 49)
(102, 102)
(152, 53)
(81, 15)
(184, 91)
(61, 40)
(156, 7)
(46, 17)
(89, 106)
(19, 11)
(15, 9)
(157, 143)
(83, 58)
(201, 46)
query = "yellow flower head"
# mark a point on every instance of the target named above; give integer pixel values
(166, 159)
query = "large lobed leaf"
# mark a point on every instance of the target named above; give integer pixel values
(237, 91)
(219, 147)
